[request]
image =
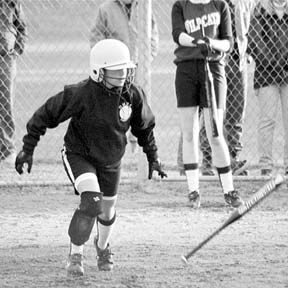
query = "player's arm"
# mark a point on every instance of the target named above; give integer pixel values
(225, 39)
(179, 34)
(56, 110)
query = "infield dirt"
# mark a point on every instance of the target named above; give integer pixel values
(154, 228)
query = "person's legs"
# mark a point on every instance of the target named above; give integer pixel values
(235, 113)
(189, 121)
(180, 163)
(284, 106)
(109, 177)
(268, 98)
(221, 159)
(207, 167)
(97, 187)
(220, 152)
(7, 126)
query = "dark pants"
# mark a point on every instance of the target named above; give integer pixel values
(235, 112)
(7, 126)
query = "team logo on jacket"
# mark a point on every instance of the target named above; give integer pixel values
(125, 111)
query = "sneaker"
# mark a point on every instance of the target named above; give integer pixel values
(104, 257)
(266, 172)
(238, 166)
(75, 265)
(194, 199)
(243, 173)
(233, 199)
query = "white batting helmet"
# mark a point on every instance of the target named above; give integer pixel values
(110, 54)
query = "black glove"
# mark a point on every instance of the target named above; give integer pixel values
(204, 45)
(21, 159)
(155, 165)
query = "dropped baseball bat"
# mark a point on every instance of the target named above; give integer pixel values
(261, 194)
(210, 93)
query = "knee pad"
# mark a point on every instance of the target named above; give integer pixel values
(91, 203)
(84, 217)
(80, 227)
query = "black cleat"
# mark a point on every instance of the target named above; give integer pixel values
(233, 199)
(194, 199)
(104, 257)
(75, 265)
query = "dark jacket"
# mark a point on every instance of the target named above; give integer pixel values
(99, 121)
(268, 45)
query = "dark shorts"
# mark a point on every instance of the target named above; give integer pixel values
(108, 176)
(190, 83)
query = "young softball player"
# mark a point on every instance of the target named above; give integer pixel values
(101, 109)
(190, 18)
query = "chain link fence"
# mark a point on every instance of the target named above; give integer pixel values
(57, 53)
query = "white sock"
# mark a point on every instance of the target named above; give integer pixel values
(104, 233)
(226, 180)
(75, 249)
(193, 179)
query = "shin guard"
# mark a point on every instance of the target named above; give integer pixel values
(80, 227)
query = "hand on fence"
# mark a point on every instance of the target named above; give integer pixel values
(155, 165)
(21, 159)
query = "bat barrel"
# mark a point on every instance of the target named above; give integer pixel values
(262, 193)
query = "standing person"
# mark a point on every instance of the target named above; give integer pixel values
(101, 109)
(268, 46)
(119, 19)
(12, 41)
(187, 18)
(237, 85)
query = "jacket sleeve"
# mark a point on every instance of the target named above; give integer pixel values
(143, 123)
(225, 28)
(99, 29)
(56, 110)
(20, 27)
(178, 25)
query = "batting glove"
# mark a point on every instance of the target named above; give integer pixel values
(155, 165)
(21, 159)
(204, 45)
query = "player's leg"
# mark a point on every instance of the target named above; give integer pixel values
(180, 163)
(207, 167)
(187, 92)
(220, 152)
(83, 176)
(268, 98)
(189, 121)
(108, 177)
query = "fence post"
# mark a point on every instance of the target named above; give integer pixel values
(144, 66)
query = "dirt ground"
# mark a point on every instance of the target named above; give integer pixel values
(154, 228)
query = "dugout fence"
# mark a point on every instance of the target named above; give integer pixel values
(57, 53)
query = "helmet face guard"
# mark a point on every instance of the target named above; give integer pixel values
(110, 54)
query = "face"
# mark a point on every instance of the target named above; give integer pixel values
(114, 78)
